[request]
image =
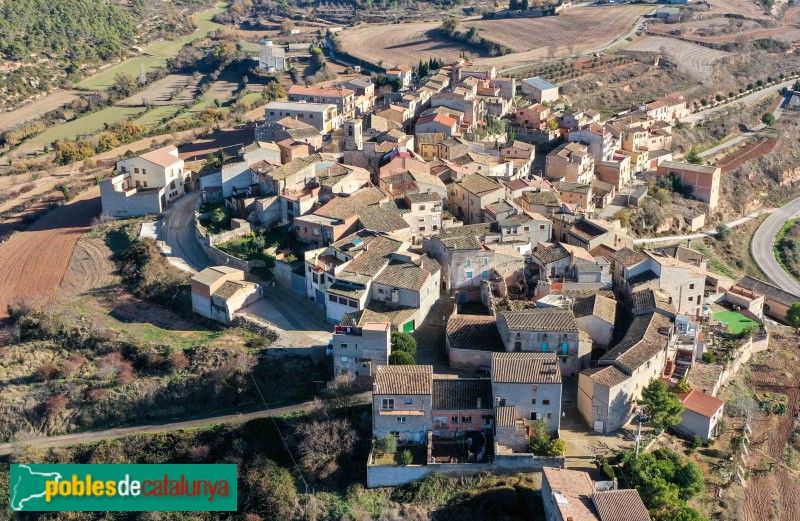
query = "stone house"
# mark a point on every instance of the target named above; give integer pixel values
(220, 291)
(471, 194)
(361, 350)
(596, 315)
(402, 401)
(570, 162)
(461, 405)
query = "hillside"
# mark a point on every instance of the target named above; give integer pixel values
(49, 43)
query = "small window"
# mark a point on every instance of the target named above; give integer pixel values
(545, 402)
(549, 415)
(466, 419)
(333, 298)
(401, 419)
(484, 262)
(691, 286)
(454, 419)
(517, 346)
(690, 299)
(422, 207)
(468, 263)
(469, 274)
(343, 346)
(534, 388)
(343, 359)
(408, 401)
(527, 228)
(387, 403)
(533, 401)
(380, 291)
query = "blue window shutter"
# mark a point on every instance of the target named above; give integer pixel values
(544, 347)
(564, 348)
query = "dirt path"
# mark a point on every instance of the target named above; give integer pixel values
(33, 262)
(789, 21)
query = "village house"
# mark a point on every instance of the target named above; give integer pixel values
(402, 402)
(570, 162)
(288, 128)
(702, 415)
(461, 406)
(776, 301)
(437, 123)
(615, 171)
(579, 195)
(145, 184)
(596, 316)
(402, 73)
(703, 180)
(527, 388)
(608, 392)
(219, 292)
(470, 195)
(322, 116)
(344, 99)
(359, 351)
(272, 57)
(597, 138)
(546, 330)
(571, 495)
(539, 90)
(670, 108)
(533, 116)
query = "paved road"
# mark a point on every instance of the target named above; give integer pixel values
(197, 421)
(698, 117)
(764, 241)
(176, 229)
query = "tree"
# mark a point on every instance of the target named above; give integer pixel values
(693, 157)
(682, 386)
(323, 442)
(124, 84)
(404, 342)
(768, 119)
(793, 316)
(450, 25)
(219, 218)
(401, 358)
(664, 407)
(387, 444)
(723, 232)
(404, 457)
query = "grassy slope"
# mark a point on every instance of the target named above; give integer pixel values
(157, 53)
(86, 125)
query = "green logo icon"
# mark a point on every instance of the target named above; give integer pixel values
(62, 488)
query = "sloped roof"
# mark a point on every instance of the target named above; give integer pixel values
(628, 257)
(526, 368)
(768, 290)
(462, 393)
(381, 218)
(342, 207)
(540, 319)
(701, 403)
(606, 375)
(641, 342)
(474, 332)
(575, 489)
(596, 305)
(620, 505)
(478, 184)
(403, 379)
(164, 156)
(550, 254)
(404, 275)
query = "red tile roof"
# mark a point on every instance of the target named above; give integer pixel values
(701, 403)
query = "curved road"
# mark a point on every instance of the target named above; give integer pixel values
(763, 247)
(177, 232)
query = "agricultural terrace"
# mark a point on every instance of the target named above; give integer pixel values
(155, 55)
(689, 57)
(578, 30)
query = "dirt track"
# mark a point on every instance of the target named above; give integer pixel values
(33, 262)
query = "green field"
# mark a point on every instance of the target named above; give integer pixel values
(86, 125)
(153, 118)
(735, 320)
(157, 53)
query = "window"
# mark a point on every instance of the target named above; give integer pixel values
(144, 171)
(333, 298)
(316, 278)
(466, 419)
(485, 275)
(549, 415)
(135, 170)
(541, 227)
(309, 269)
(691, 286)
(422, 228)
(330, 280)
(564, 348)
(380, 291)
(545, 402)
(535, 416)
(352, 303)
(301, 116)
(387, 403)
(468, 263)
(469, 274)
(534, 388)
(343, 346)
(544, 347)
(484, 262)
(454, 419)
(408, 401)
(311, 116)
(527, 228)
(343, 359)
(401, 419)
(422, 207)
(518, 346)
(533, 401)
(421, 219)
(271, 112)
(690, 299)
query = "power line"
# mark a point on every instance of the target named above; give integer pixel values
(275, 423)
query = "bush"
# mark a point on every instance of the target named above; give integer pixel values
(386, 444)
(401, 358)
(404, 342)
(404, 457)
(697, 441)
(710, 357)
(608, 471)
(768, 119)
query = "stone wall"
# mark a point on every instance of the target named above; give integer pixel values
(755, 344)
(526, 462)
(207, 240)
(470, 358)
(393, 475)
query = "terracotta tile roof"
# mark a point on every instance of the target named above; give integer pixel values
(474, 332)
(572, 491)
(701, 403)
(329, 92)
(768, 290)
(371, 261)
(478, 184)
(606, 375)
(602, 251)
(540, 319)
(587, 230)
(163, 156)
(620, 505)
(628, 257)
(403, 379)
(437, 118)
(403, 275)
(462, 393)
(525, 368)
(342, 207)
(550, 254)
(380, 218)
(461, 242)
(505, 416)
(498, 207)
(645, 338)
(598, 306)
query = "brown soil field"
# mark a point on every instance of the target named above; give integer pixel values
(774, 494)
(159, 92)
(90, 267)
(588, 28)
(747, 153)
(689, 57)
(33, 262)
(789, 30)
(52, 101)
(748, 8)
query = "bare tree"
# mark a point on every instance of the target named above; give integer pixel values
(323, 442)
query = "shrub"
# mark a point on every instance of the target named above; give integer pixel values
(404, 457)
(710, 357)
(697, 441)
(386, 444)
(401, 358)
(404, 342)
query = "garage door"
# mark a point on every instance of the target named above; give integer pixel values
(408, 327)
